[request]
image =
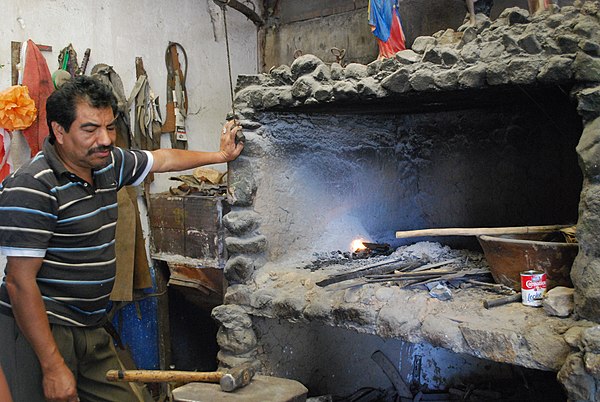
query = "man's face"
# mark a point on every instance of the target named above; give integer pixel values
(89, 140)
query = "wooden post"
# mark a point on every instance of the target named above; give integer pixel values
(15, 60)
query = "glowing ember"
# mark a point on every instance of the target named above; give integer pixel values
(357, 245)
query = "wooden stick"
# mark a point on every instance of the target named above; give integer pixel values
(478, 231)
(497, 286)
(163, 376)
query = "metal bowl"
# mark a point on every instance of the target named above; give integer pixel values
(509, 255)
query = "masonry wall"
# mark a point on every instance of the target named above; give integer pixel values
(313, 27)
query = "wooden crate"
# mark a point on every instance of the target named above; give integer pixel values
(188, 229)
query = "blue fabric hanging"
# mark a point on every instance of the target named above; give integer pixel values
(380, 17)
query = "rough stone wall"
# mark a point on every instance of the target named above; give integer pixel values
(314, 26)
(332, 177)
(554, 48)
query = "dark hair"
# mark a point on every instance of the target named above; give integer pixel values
(61, 105)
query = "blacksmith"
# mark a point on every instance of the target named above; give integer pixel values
(57, 216)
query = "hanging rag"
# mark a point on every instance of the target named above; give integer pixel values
(132, 261)
(133, 271)
(37, 78)
(177, 100)
(5, 165)
(108, 75)
(147, 121)
(384, 19)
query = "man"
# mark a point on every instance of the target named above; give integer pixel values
(57, 217)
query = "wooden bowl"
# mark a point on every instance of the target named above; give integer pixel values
(509, 255)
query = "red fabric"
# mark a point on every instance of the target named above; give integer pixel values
(38, 79)
(395, 42)
(5, 168)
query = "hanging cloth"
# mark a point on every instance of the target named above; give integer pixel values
(5, 165)
(147, 121)
(384, 19)
(109, 76)
(133, 271)
(37, 78)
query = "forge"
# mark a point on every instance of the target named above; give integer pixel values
(490, 125)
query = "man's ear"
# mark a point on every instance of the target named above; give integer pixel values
(59, 132)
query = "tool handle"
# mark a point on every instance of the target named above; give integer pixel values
(477, 231)
(163, 376)
(502, 300)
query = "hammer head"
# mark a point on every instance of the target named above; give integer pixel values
(237, 377)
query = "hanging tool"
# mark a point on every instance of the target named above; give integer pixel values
(242, 8)
(84, 62)
(339, 55)
(177, 99)
(61, 75)
(239, 137)
(229, 380)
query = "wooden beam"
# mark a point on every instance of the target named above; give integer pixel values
(15, 59)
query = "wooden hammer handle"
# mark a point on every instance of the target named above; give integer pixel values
(163, 376)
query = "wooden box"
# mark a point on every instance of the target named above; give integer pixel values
(188, 229)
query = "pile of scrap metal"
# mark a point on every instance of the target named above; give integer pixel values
(413, 274)
(203, 181)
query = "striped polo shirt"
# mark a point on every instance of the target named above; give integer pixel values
(47, 211)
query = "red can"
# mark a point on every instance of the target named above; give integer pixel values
(533, 287)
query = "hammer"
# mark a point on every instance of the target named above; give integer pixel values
(230, 380)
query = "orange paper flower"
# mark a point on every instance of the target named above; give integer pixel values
(17, 109)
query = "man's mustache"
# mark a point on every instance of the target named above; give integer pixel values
(100, 149)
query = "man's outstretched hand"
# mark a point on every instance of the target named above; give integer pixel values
(230, 147)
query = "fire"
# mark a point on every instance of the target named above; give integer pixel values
(357, 245)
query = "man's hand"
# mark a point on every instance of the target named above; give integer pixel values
(175, 160)
(30, 314)
(230, 149)
(59, 384)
